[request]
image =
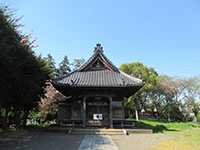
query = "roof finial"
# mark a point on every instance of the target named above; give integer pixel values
(98, 48)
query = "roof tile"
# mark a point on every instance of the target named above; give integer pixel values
(101, 78)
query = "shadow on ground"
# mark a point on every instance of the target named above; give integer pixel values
(155, 129)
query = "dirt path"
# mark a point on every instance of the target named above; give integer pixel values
(139, 141)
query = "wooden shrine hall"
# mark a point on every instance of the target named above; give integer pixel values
(95, 93)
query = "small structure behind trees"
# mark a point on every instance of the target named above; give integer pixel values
(48, 106)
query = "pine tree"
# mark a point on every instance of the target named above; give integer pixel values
(23, 74)
(78, 62)
(51, 63)
(64, 67)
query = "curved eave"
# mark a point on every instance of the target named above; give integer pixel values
(124, 91)
(90, 86)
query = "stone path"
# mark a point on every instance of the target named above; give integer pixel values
(63, 141)
(40, 141)
(97, 142)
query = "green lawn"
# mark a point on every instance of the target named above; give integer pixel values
(183, 136)
(162, 126)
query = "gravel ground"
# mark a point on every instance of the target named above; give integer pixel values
(138, 141)
(40, 141)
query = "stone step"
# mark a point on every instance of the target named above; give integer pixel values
(91, 131)
(97, 131)
(110, 131)
(139, 131)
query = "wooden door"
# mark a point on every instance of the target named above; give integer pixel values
(97, 107)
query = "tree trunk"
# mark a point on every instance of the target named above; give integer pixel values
(136, 115)
(168, 117)
(129, 113)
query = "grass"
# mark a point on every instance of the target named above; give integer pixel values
(182, 136)
(186, 139)
(162, 126)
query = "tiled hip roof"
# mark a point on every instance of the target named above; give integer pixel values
(100, 78)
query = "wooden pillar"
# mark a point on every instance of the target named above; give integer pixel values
(123, 108)
(84, 111)
(71, 111)
(110, 112)
(123, 113)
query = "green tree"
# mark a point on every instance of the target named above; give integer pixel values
(149, 77)
(51, 63)
(23, 74)
(191, 94)
(64, 67)
(77, 63)
(164, 98)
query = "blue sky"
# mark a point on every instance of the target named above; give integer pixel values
(164, 34)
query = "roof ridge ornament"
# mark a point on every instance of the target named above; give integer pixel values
(98, 48)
